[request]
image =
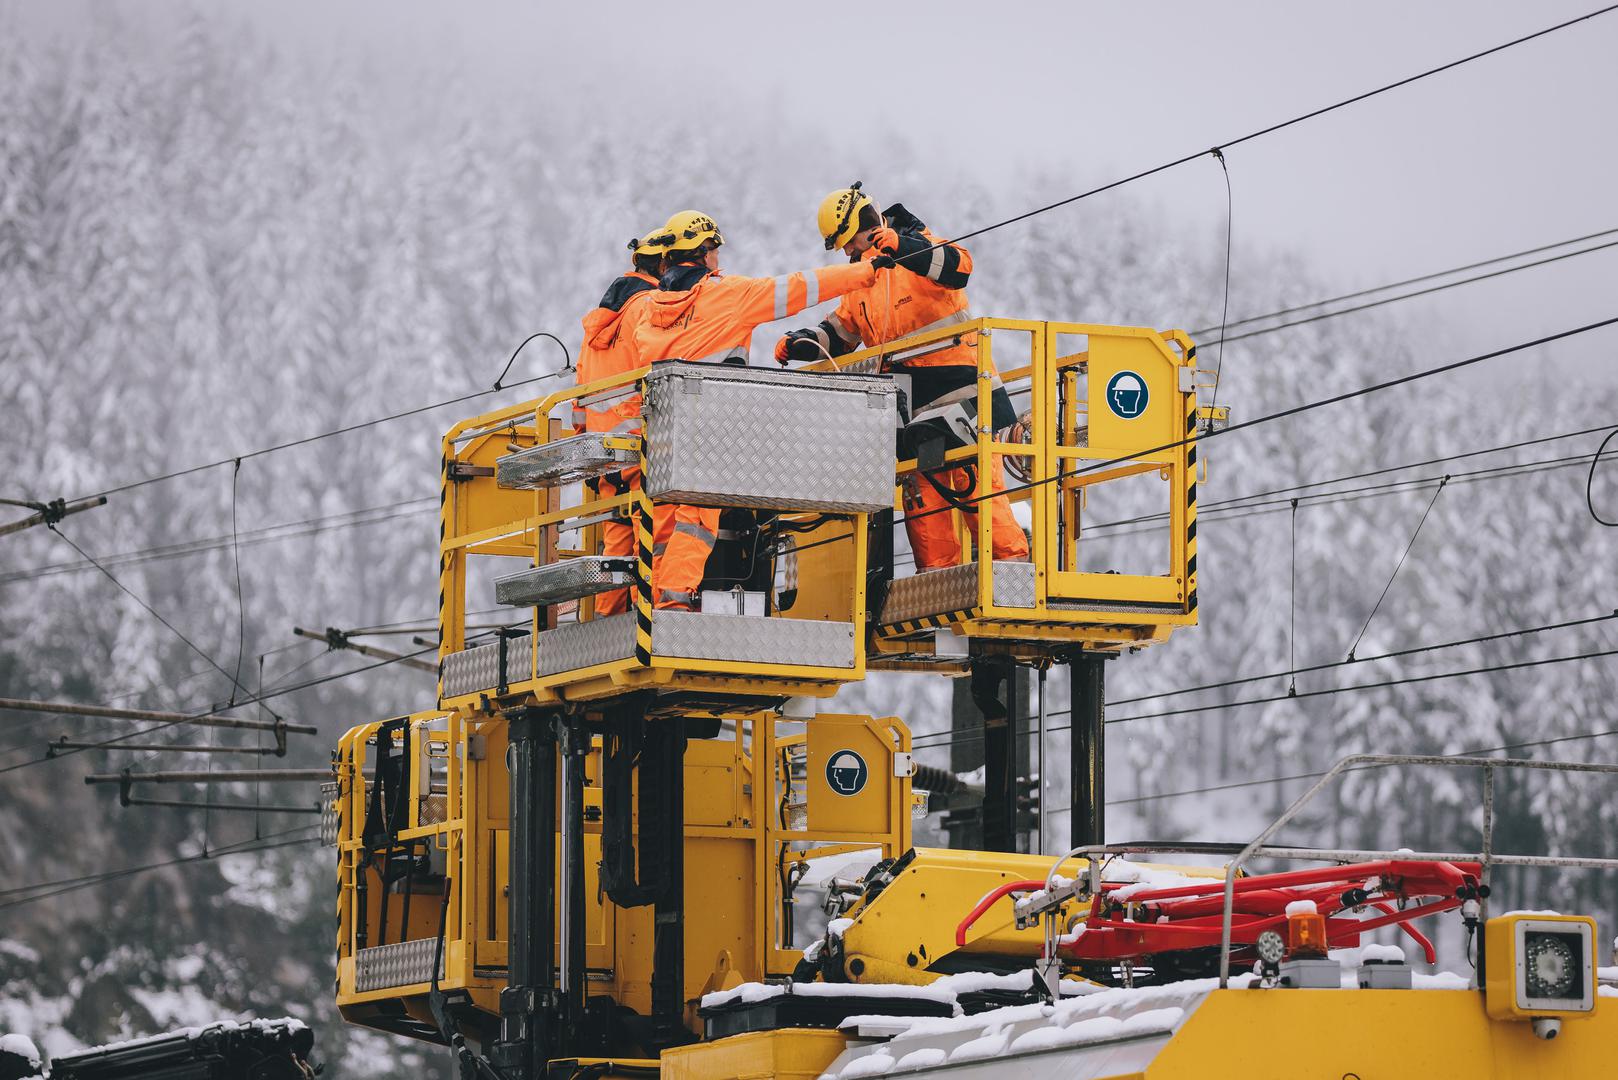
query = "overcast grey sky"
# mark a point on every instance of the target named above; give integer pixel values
(1506, 153)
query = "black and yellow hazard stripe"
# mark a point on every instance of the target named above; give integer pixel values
(1191, 419)
(926, 622)
(443, 569)
(643, 566)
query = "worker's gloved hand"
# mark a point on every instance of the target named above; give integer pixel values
(799, 345)
(883, 262)
(885, 239)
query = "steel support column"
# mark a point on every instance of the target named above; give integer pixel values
(1088, 750)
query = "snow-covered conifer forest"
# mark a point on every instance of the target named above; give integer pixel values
(209, 245)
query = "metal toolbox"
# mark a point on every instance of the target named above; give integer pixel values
(722, 435)
(578, 457)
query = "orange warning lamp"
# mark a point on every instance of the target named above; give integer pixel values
(1306, 934)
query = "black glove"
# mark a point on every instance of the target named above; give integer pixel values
(883, 262)
(803, 346)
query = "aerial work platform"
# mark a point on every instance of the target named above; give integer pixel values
(804, 590)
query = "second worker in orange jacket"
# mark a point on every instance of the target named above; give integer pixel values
(926, 290)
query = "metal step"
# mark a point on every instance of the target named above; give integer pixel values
(569, 579)
(577, 457)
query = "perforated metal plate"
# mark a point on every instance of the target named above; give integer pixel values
(328, 814)
(562, 462)
(568, 579)
(955, 588)
(403, 964)
(719, 435)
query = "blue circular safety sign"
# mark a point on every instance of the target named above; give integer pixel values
(1126, 395)
(846, 773)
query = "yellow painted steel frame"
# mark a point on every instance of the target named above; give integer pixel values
(740, 843)
(479, 518)
(1098, 610)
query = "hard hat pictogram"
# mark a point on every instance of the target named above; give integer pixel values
(1126, 395)
(846, 773)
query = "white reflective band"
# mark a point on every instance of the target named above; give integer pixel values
(624, 427)
(824, 339)
(811, 281)
(936, 268)
(842, 329)
(694, 530)
(963, 315)
(782, 285)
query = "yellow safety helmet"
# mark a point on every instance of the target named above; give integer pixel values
(840, 215)
(689, 230)
(653, 243)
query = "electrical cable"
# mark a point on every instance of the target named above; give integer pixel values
(1589, 483)
(1238, 501)
(1281, 414)
(241, 605)
(1369, 305)
(263, 450)
(1282, 125)
(1230, 214)
(247, 847)
(1419, 279)
(56, 528)
(248, 538)
(1399, 566)
(567, 357)
(1317, 775)
(945, 738)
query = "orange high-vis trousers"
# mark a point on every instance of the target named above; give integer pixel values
(617, 539)
(930, 520)
(682, 539)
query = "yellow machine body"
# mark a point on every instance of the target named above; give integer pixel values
(753, 811)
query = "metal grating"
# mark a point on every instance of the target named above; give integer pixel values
(955, 588)
(691, 635)
(403, 964)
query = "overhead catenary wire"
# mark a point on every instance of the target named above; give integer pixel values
(1432, 276)
(1589, 483)
(153, 612)
(945, 738)
(1281, 414)
(48, 890)
(1262, 781)
(1398, 566)
(1283, 124)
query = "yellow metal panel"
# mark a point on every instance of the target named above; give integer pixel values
(1377, 1035)
(850, 775)
(786, 1054)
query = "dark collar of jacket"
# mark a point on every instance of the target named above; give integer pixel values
(619, 292)
(682, 277)
(901, 220)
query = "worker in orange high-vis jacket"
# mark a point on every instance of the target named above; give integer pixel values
(699, 314)
(922, 288)
(608, 350)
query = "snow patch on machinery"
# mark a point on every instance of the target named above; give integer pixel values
(23, 1047)
(1302, 907)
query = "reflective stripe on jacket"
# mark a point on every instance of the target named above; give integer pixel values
(715, 318)
(609, 349)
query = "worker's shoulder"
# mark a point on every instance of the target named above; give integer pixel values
(625, 288)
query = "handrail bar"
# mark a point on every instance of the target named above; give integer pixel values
(1486, 857)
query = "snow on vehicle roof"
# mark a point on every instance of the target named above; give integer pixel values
(23, 1047)
(286, 1023)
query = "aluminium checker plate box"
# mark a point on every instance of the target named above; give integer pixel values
(723, 435)
(405, 963)
(955, 588)
(567, 579)
(694, 635)
(551, 464)
(471, 670)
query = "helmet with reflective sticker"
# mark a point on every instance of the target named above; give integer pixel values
(689, 230)
(839, 217)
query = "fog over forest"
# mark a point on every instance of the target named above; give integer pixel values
(211, 244)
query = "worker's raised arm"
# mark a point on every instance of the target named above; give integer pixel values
(832, 338)
(768, 299)
(950, 265)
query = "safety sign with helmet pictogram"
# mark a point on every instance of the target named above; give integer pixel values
(846, 773)
(1127, 395)
(850, 772)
